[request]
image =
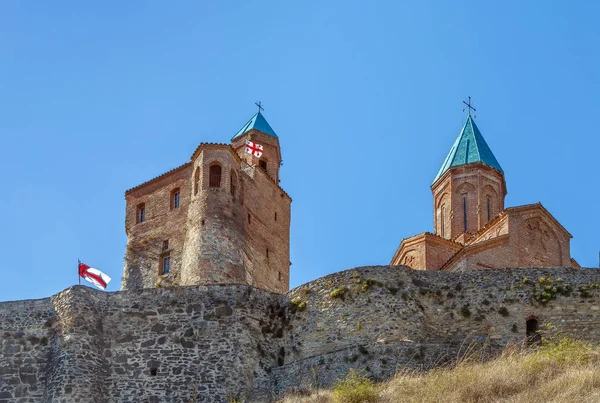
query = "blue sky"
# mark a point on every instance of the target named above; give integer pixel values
(96, 98)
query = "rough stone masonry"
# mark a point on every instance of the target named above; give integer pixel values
(214, 343)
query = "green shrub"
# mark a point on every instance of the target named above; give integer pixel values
(558, 348)
(464, 311)
(366, 284)
(355, 388)
(298, 303)
(339, 292)
(503, 311)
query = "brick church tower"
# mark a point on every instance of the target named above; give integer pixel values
(219, 218)
(473, 230)
(469, 189)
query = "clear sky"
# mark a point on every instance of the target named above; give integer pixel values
(98, 97)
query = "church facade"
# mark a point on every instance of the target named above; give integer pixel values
(472, 227)
(220, 218)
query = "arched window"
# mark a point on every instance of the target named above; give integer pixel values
(196, 180)
(175, 198)
(232, 182)
(489, 208)
(214, 173)
(140, 212)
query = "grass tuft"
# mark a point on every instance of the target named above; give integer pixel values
(561, 369)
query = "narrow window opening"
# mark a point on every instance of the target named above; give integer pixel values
(249, 218)
(165, 264)
(175, 198)
(196, 180)
(442, 222)
(153, 371)
(141, 213)
(465, 214)
(489, 208)
(202, 223)
(214, 173)
(267, 253)
(165, 245)
(263, 165)
(279, 276)
(232, 183)
(275, 216)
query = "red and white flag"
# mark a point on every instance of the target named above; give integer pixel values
(94, 276)
(254, 149)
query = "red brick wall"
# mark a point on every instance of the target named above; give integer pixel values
(145, 239)
(526, 238)
(211, 238)
(474, 182)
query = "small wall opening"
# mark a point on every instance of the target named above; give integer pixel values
(152, 371)
(263, 165)
(532, 331)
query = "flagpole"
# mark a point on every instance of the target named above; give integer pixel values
(78, 276)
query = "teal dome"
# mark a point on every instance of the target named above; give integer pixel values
(257, 122)
(468, 148)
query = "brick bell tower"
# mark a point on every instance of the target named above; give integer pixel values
(220, 218)
(469, 189)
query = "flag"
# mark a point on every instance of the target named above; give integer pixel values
(94, 276)
(254, 149)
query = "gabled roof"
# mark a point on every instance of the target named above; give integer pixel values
(257, 122)
(468, 148)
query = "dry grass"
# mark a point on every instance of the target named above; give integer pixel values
(561, 370)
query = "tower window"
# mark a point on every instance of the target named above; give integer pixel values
(276, 216)
(465, 213)
(489, 208)
(175, 197)
(263, 165)
(267, 253)
(279, 276)
(165, 264)
(196, 180)
(442, 221)
(141, 212)
(249, 218)
(214, 173)
(165, 245)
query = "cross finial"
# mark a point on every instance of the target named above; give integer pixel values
(469, 106)
(260, 108)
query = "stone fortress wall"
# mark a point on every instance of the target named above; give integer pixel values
(215, 342)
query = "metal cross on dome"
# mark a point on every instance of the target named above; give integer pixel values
(259, 104)
(469, 106)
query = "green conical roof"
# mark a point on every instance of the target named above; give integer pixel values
(468, 148)
(257, 122)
